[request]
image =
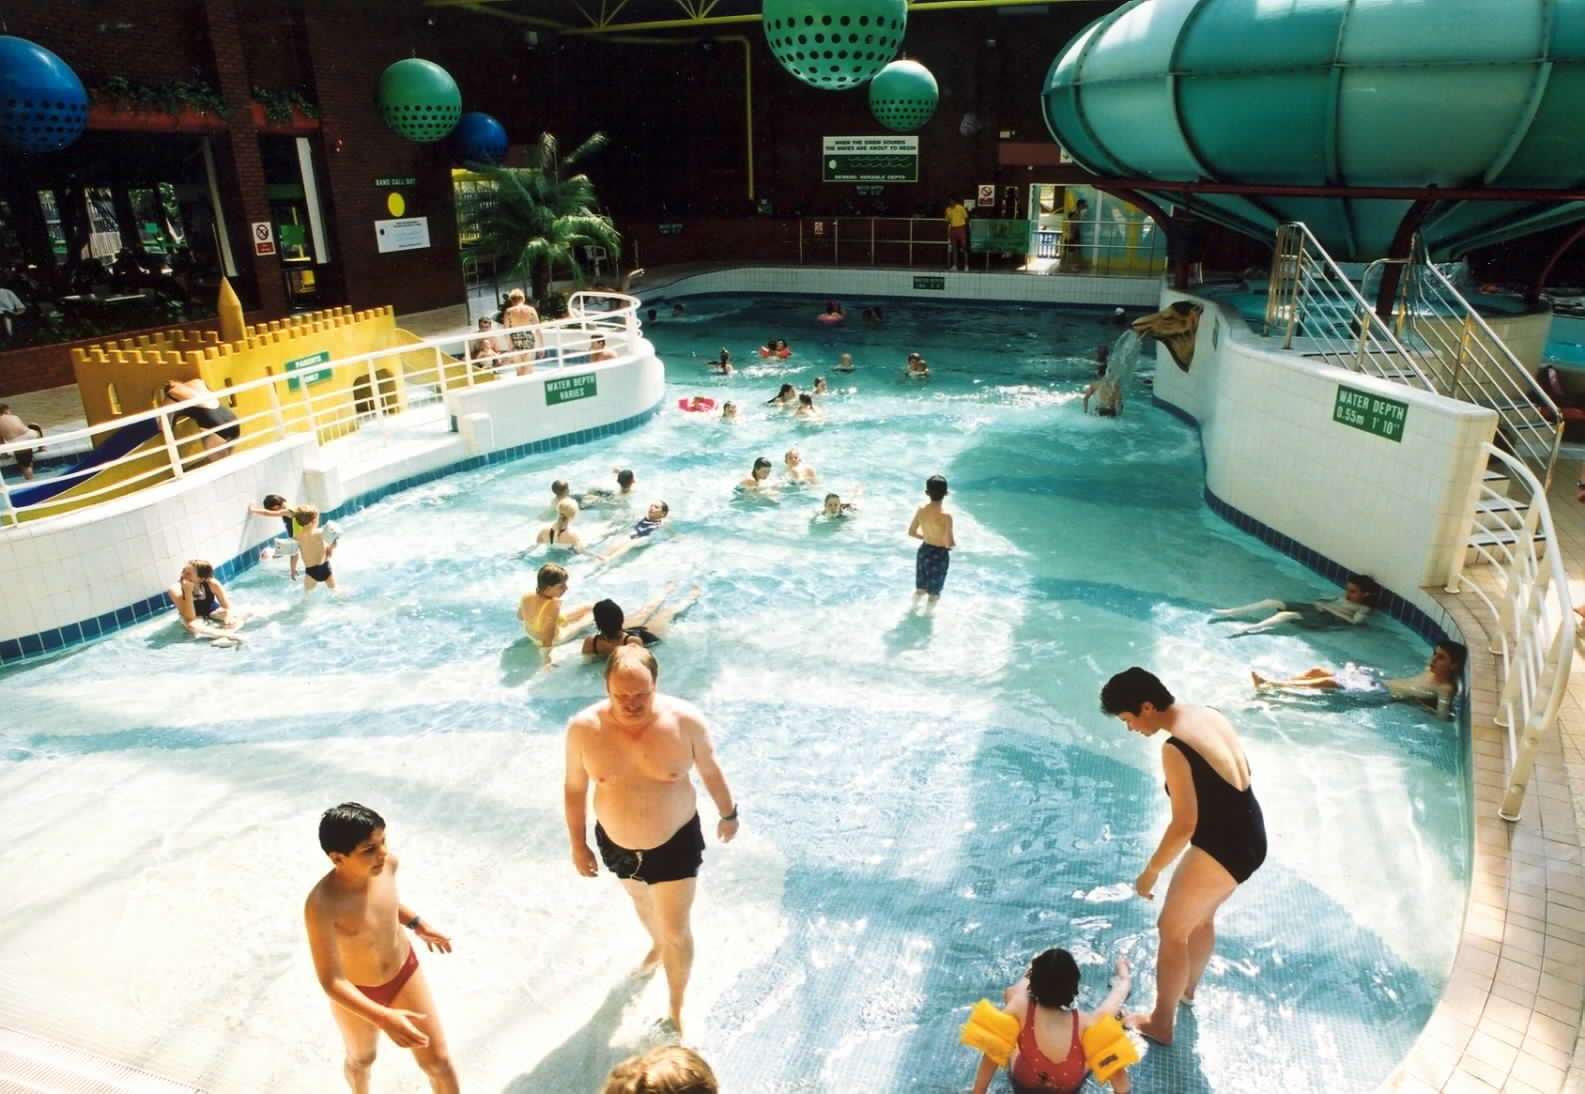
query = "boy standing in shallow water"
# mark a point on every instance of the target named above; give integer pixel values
(933, 524)
(315, 549)
(355, 922)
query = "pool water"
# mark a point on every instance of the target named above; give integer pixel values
(926, 801)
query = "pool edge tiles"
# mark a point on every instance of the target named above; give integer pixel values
(41, 644)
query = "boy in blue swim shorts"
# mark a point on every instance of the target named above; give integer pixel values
(933, 524)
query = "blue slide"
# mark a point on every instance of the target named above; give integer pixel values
(116, 445)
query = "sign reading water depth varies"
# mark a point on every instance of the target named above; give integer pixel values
(869, 159)
(1370, 413)
(569, 390)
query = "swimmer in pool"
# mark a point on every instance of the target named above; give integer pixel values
(835, 508)
(917, 368)
(560, 534)
(541, 611)
(729, 412)
(277, 506)
(558, 490)
(315, 549)
(201, 602)
(647, 627)
(1108, 395)
(845, 363)
(1353, 607)
(933, 525)
(639, 746)
(758, 481)
(355, 924)
(644, 532)
(598, 351)
(723, 364)
(1050, 1053)
(626, 481)
(807, 409)
(1436, 686)
(784, 398)
(1214, 814)
(820, 387)
(678, 309)
(795, 469)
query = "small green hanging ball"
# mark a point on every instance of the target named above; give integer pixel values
(903, 96)
(834, 44)
(420, 100)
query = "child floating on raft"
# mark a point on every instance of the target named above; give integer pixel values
(1046, 1043)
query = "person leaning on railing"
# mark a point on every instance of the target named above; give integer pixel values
(13, 428)
(217, 421)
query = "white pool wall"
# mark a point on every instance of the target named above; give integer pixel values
(940, 285)
(1395, 510)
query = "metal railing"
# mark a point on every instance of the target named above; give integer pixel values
(381, 384)
(922, 242)
(1527, 597)
(1435, 341)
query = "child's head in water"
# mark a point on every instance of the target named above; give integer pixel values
(936, 488)
(835, 507)
(625, 478)
(1361, 589)
(608, 619)
(1053, 979)
(729, 411)
(762, 468)
(670, 1069)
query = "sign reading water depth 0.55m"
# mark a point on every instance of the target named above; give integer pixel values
(569, 390)
(1370, 413)
(869, 159)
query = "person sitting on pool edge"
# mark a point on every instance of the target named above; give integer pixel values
(646, 628)
(1436, 686)
(1360, 593)
(1050, 1055)
(560, 534)
(541, 612)
(201, 601)
(315, 548)
(1215, 816)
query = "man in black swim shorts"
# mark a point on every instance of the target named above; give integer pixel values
(637, 748)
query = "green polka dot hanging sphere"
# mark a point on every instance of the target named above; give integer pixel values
(903, 95)
(420, 100)
(834, 44)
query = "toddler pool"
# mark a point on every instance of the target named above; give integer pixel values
(926, 802)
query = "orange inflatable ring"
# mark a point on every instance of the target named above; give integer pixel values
(696, 404)
(830, 317)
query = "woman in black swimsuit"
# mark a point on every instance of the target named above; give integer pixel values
(1214, 813)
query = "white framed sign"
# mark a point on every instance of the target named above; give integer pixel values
(407, 234)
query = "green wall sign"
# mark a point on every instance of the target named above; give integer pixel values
(1370, 413)
(301, 370)
(923, 281)
(570, 390)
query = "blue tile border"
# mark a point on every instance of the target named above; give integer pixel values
(31, 646)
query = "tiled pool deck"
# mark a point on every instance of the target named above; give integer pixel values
(1510, 1018)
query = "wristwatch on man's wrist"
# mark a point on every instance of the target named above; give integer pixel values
(732, 816)
(414, 923)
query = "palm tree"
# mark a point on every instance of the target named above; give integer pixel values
(541, 214)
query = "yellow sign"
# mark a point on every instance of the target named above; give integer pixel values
(396, 204)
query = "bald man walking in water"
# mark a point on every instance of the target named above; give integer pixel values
(638, 746)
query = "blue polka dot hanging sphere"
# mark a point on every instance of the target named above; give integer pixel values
(903, 96)
(43, 105)
(479, 138)
(834, 44)
(420, 100)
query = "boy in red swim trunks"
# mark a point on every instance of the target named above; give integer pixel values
(362, 957)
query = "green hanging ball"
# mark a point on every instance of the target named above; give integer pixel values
(834, 44)
(903, 95)
(420, 100)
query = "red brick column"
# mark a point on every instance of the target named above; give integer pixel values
(238, 162)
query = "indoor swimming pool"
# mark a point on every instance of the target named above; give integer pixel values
(927, 801)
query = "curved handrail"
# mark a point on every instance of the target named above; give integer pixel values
(1535, 620)
(608, 313)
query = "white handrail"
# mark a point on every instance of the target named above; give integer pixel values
(612, 316)
(1532, 612)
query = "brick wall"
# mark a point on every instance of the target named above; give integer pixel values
(151, 42)
(348, 49)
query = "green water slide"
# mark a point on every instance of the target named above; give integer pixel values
(1339, 93)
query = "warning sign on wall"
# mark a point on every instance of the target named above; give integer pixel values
(263, 238)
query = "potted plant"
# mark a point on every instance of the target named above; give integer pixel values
(178, 106)
(287, 111)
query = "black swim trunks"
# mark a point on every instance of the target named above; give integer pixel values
(318, 573)
(676, 859)
(218, 419)
(23, 457)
